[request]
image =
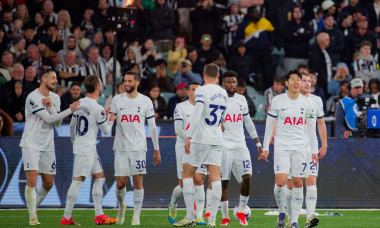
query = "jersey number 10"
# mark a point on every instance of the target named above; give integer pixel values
(82, 125)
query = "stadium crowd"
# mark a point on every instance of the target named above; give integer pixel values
(171, 40)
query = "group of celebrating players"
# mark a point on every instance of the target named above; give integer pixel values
(210, 141)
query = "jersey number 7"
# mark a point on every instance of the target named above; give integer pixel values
(215, 108)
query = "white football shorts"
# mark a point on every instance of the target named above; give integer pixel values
(86, 165)
(129, 163)
(179, 152)
(237, 161)
(203, 154)
(43, 161)
(291, 162)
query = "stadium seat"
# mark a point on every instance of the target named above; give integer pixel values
(167, 96)
(260, 107)
(251, 92)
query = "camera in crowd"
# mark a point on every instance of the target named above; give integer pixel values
(368, 123)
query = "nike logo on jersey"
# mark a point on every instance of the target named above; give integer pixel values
(294, 121)
(188, 115)
(283, 109)
(141, 170)
(246, 170)
(122, 108)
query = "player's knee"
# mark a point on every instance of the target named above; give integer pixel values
(246, 179)
(120, 184)
(280, 183)
(48, 185)
(198, 181)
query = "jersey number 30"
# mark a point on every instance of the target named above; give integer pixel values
(82, 125)
(214, 118)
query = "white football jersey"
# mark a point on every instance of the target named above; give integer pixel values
(233, 135)
(208, 130)
(86, 119)
(37, 133)
(291, 115)
(317, 103)
(131, 115)
(183, 112)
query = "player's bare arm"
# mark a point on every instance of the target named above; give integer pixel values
(323, 135)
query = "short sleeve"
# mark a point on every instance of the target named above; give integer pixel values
(149, 113)
(245, 107)
(273, 109)
(199, 97)
(34, 104)
(319, 109)
(100, 115)
(178, 113)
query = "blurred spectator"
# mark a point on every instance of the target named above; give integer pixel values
(355, 5)
(30, 35)
(229, 25)
(6, 66)
(132, 56)
(342, 74)
(315, 89)
(197, 64)
(345, 23)
(108, 58)
(159, 104)
(119, 90)
(69, 71)
(18, 49)
(96, 65)
(48, 8)
(13, 102)
(43, 47)
(100, 16)
(82, 42)
(87, 23)
(34, 58)
(109, 36)
(34, 6)
(257, 33)
(64, 17)
(162, 21)
(161, 77)
(55, 38)
(183, 13)
(176, 54)
(336, 45)
(40, 22)
(7, 20)
(346, 112)
(207, 53)
(97, 40)
(355, 38)
(181, 95)
(60, 90)
(373, 7)
(241, 62)
(30, 80)
(366, 67)
(204, 19)
(343, 92)
(4, 41)
(296, 34)
(74, 94)
(6, 124)
(22, 13)
(320, 61)
(328, 7)
(17, 75)
(277, 88)
(185, 75)
(149, 55)
(71, 45)
(242, 90)
(373, 86)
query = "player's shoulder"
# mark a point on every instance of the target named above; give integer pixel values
(54, 95)
(279, 98)
(181, 104)
(240, 97)
(143, 98)
(316, 98)
(33, 94)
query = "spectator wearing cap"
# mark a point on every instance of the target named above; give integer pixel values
(162, 21)
(241, 62)
(18, 49)
(336, 46)
(161, 77)
(6, 66)
(69, 71)
(70, 44)
(354, 6)
(342, 74)
(176, 54)
(345, 23)
(34, 58)
(346, 113)
(181, 95)
(297, 34)
(159, 103)
(197, 64)
(366, 67)
(355, 38)
(186, 75)
(207, 52)
(328, 7)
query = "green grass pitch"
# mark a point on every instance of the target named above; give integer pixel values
(158, 218)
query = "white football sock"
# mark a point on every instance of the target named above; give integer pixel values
(288, 202)
(208, 200)
(138, 197)
(41, 194)
(30, 197)
(120, 195)
(224, 209)
(311, 200)
(97, 195)
(199, 198)
(243, 201)
(71, 198)
(216, 195)
(297, 201)
(176, 196)
(279, 194)
(188, 195)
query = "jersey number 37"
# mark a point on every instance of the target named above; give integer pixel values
(213, 116)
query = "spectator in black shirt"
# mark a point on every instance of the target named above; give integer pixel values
(13, 102)
(162, 20)
(74, 94)
(207, 53)
(241, 62)
(181, 95)
(197, 64)
(242, 90)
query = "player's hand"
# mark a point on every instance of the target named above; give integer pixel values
(112, 117)
(156, 157)
(223, 127)
(322, 152)
(347, 134)
(271, 140)
(260, 152)
(314, 159)
(107, 112)
(187, 145)
(74, 106)
(47, 101)
(264, 156)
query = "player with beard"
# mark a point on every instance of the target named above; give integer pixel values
(295, 135)
(236, 157)
(311, 180)
(42, 109)
(132, 109)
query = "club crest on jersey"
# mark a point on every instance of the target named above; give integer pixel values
(294, 121)
(302, 110)
(138, 109)
(130, 118)
(233, 118)
(241, 107)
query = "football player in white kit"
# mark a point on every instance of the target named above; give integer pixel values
(37, 142)
(291, 147)
(132, 109)
(182, 117)
(311, 180)
(84, 128)
(236, 157)
(206, 147)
